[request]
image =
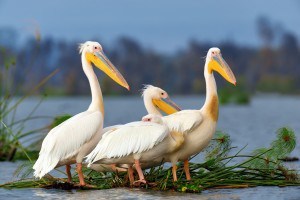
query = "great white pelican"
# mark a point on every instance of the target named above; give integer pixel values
(135, 143)
(155, 100)
(71, 141)
(198, 126)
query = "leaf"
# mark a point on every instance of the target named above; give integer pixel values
(59, 119)
(219, 146)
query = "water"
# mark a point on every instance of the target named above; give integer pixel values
(253, 125)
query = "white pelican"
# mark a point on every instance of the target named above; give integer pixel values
(69, 142)
(198, 126)
(155, 100)
(136, 142)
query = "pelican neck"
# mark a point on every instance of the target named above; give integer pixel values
(97, 98)
(211, 104)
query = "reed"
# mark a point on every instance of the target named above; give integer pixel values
(12, 130)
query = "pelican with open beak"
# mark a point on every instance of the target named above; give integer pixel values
(71, 141)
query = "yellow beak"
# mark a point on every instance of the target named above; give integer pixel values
(219, 65)
(103, 63)
(166, 105)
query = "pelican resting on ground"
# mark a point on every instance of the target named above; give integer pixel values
(155, 100)
(71, 141)
(136, 142)
(198, 126)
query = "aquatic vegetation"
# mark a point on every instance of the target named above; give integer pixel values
(280, 148)
(217, 171)
(12, 130)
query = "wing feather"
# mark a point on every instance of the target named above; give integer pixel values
(65, 140)
(135, 137)
(183, 121)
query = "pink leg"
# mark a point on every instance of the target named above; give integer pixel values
(174, 169)
(139, 171)
(80, 174)
(187, 170)
(68, 170)
(113, 167)
(130, 175)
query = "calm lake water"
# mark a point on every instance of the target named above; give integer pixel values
(253, 125)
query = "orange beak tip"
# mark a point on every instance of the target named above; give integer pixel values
(128, 88)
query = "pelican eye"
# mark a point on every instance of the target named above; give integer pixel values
(96, 47)
(162, 93)
(149, 119)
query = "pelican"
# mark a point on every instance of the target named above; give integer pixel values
(155, 100)
(136, 142)
(198, 126)
(70, 141)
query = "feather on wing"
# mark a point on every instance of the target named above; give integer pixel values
(109, 128)
(65, 140)
(183, 121)
(135, 137)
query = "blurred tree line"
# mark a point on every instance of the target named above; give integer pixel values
(273, 67)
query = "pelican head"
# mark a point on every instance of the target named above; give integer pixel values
(152, 118)
(160, 99)
(93, 52)
(217, 63)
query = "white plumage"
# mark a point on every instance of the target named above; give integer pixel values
(69, 142)
(136, 142)
(183, 121)
(154, 98)
(135, 137)
(64, 141)
(131, 138)
(198, 126)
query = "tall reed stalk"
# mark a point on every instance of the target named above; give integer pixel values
(12, 130)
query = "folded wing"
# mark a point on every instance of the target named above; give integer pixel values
(65, 140)
(131, 138)
(183, 121)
